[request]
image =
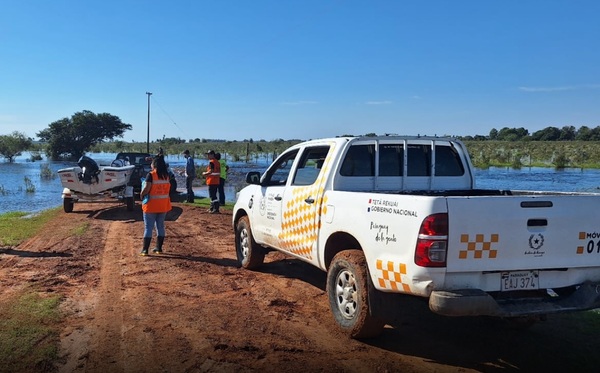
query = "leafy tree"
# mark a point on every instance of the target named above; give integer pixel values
(511, 134)
(546, 134)
(595, 134)
(583, 134)
(567, 133)
(12, 145)
(72, 137)
(493, 134)
(588, 134)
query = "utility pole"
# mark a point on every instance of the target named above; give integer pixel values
(148, 133)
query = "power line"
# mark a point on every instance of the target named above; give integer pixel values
(168, 116)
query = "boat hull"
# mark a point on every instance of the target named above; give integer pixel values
(107, 179)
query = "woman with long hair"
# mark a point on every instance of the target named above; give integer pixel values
(156, 202)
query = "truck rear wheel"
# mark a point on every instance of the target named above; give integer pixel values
(68, 205)
(250, 255)
(348, 293)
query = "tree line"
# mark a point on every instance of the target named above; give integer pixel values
(85, 131)
(566, 133)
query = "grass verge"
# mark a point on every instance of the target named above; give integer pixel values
(29, 320)
(29, 333)
(205, 202)
(15, 227)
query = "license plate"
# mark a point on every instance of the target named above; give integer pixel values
(520, 280)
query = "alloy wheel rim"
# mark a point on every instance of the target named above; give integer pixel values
(345, 294)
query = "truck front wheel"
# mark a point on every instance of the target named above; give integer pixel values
(348, 293)
(250, 255)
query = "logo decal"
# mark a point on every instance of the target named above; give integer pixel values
(536, 241)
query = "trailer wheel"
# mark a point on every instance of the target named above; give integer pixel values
(348, 293)
(250, 255)
(68, 205)
(130, 203)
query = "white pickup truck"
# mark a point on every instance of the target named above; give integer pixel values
(401, 215)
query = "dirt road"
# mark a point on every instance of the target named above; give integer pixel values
(193, 310)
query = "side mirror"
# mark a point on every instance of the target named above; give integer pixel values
(253, 177)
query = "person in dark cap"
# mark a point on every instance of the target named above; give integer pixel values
(190, 175)
(213, 179)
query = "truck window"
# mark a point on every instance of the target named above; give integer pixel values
(419, 160)
(391, 159)
(278, 173)
(359, 161)
(447, 162)
(310, 165)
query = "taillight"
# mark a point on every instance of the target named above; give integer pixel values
(432, 242)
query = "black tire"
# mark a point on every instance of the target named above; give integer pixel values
(68, 205)
(130, 203)
(348, 293)
(250, 255)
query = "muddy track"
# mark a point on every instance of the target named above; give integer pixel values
(193, 310)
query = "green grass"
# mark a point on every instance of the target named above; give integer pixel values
(205, 202)
(15, 227)
(81, 229)
(29, 332)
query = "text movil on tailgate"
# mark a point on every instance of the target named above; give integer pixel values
(591, 244)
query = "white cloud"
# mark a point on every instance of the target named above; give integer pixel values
(558, 89)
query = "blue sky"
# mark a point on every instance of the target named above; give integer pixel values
(269, 69)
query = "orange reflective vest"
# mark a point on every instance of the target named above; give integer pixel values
(159, 200)
(214, 178)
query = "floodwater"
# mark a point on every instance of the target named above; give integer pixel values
(539, 178)
(45, 193)
(38, 193)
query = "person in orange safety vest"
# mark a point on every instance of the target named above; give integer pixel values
(156, 205)
(213, 180)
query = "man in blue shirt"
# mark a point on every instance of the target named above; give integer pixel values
(190, 175)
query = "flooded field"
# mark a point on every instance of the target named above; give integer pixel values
(24, 185)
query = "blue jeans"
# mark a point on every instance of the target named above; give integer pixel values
(154, 219)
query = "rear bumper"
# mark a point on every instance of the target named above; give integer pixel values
(475, 302)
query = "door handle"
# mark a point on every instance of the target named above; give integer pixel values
(309, 200)
(537, 222)
(278, 198)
